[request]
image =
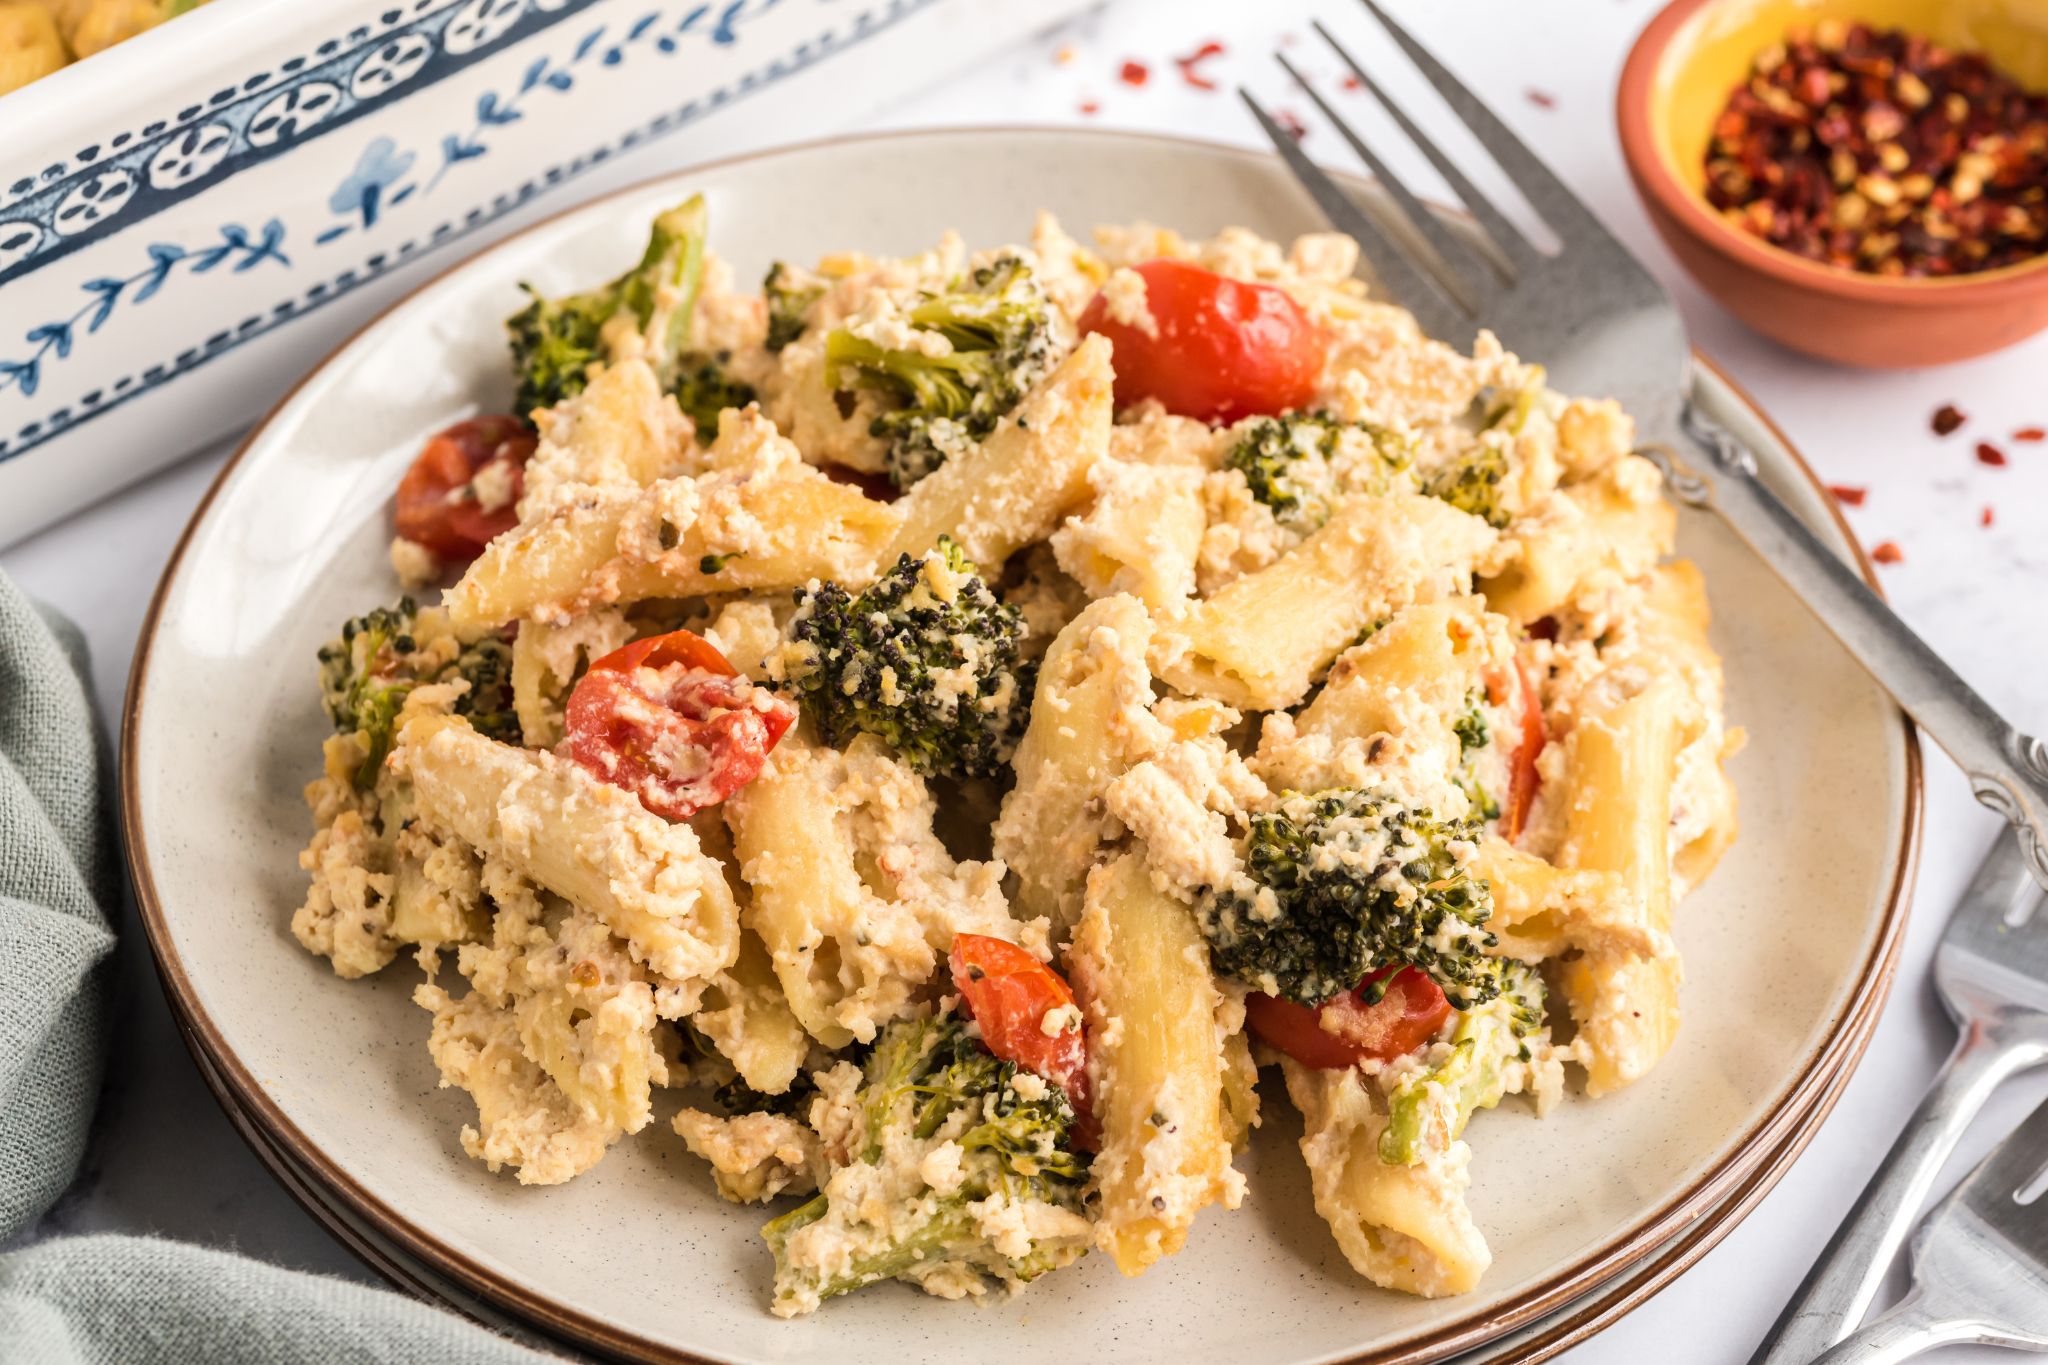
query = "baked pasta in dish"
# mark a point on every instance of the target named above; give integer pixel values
(954, 720)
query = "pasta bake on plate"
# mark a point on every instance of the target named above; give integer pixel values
(1055, 740)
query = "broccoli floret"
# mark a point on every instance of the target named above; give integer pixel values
(367, 672)
(703, 390)
(1292, 463)
(926, 658)
(790, 293)
(1341, 882)
(554, 341)
(1431, 1107)
(1000, 328)
(928, 1082)
(1472, 483)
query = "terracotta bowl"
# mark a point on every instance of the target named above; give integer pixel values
(1678, 78)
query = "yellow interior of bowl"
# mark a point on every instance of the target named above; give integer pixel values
(1712, 54)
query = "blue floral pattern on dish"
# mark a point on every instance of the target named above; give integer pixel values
(657, 30)
(46, 217)
(238, 248)
(362, 195)
(384, 176)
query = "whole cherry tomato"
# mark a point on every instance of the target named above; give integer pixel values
(1219, 349)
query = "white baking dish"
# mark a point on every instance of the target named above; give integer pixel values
(191, 219)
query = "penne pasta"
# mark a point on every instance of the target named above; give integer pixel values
(585, 840)
(1141, 972)
(1016, 486)
(1262, 642)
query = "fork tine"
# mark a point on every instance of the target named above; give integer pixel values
(1552, 198)
(1439, 314)
(2014, 1161)
(1455, 251)
(1516, 247)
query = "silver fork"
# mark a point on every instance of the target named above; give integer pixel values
(1980, 1263)
(1602, 324)
(1991, 972)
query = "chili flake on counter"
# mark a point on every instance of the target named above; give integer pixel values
(1881, 151)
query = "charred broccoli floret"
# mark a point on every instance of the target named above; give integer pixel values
(703, 390)
(927, 1084)
(926, 658)
(1341, 882)
(367, 672)
(998, 326)
(1473, 483)
(1431, 1107)
(1297, 462)
(555, 340)
(790, 293)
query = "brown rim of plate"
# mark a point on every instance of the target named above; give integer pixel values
(1643, 151)
(1764, 1144)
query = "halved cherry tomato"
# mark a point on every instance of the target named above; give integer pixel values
(1345, 1030)
(437, 499)
(671, 721)
(1223, 349)
(1523, 780)
(1009, 993)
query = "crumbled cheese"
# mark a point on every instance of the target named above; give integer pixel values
(1124, 295)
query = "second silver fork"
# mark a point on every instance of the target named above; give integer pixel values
(1991, 972)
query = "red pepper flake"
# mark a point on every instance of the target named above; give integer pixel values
(2031, 434)
(1351, 82)
(1882, 151)
(1947, 418)
(1090, 108)
(1288, 120)
(1542, 99)
(1888, 552)
(1990, 454)
(1848, 494)
(1133, 73)
(1190, 65)
(1984, 518)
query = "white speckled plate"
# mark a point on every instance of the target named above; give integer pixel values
(1788, 948)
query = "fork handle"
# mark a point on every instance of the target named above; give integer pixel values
(1839, 1289)
(2008, 770)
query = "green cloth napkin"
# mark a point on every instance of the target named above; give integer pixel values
(133, 1300)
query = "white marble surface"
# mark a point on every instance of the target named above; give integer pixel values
(166, 1161)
